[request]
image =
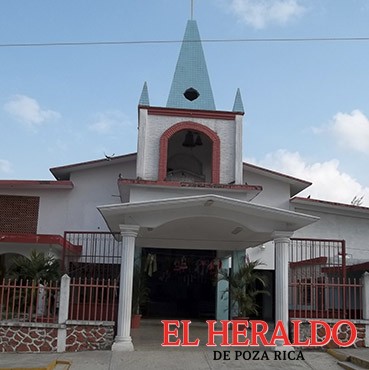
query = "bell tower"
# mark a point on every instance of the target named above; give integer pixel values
(189, 140)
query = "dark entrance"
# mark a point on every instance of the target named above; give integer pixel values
(182, 283)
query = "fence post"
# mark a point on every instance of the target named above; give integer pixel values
(365, 302)
(63, 312)
(365, 278)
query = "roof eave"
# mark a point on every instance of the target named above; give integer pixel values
(343, 207)
(294, 219)
(297, 185)
(63, 172)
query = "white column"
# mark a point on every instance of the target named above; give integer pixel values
(141, 144)
(123, 340)
(238, 171)
(281, 246)
(63, 313)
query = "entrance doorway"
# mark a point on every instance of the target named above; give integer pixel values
(182, 283)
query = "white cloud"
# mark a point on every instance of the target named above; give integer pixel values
(28, 110)
(261, 13)
(329, 182)
(351, 130)
(109, 122)
(5, 166)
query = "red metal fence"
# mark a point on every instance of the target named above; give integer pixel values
(93, 299)
(318, 283)
(28, 301)
(327, 298)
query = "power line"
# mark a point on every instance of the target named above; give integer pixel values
(143, 42)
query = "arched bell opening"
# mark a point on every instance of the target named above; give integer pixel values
(189, 152)
(189, 157)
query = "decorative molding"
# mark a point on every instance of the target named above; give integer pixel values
(183, 184)
(193, 113)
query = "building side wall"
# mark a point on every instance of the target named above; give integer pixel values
(354, 229)
(75, 209)
(92, 188)
(275, 193)
(53, 208)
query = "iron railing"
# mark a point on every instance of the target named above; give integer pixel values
(318, 283)
(93, 299)
(29, 301)
(100, 257)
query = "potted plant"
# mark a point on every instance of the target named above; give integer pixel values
(140, 295)
(243, 287)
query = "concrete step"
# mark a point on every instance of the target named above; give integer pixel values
(349, 361)
(363, 363)
(349, 365)
(340, 356)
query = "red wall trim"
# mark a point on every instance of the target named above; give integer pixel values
(229, 116)
(39, 239)
(188, 125)
(36, 184)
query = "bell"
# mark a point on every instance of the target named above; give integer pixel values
(198, 140)
(189, 140)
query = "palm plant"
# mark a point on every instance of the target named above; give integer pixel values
(38, 267)
(242, 286)
(140, 291)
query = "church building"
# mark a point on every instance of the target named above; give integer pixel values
(183, 207)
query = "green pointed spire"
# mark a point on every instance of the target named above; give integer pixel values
(144, 99)
(238, 104)
(191, 84)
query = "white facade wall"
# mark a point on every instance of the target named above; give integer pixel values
(95, 187)
(140, 194)
(274, 194)
(350, 226)
(53, 207)
(75, 209)
(264, 253)
(154, 126)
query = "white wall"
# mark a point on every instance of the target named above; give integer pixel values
(52, 210)
(75, 209)
(140, 194)
(264, 253)
(354, 228)
(95, 187)
(274, 194)
(351, 227)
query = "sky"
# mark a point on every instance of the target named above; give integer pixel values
(306, 103)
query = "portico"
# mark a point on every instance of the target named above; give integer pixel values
(199, 222)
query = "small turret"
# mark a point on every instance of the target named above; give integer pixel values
(144, 99)
(238, 104)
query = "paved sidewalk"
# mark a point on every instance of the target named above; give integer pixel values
(149, 354)
(167, 359)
